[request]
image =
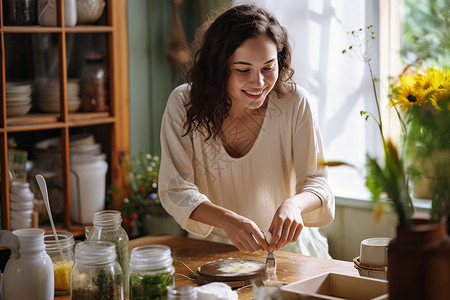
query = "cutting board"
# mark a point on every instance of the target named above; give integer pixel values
(233, 270)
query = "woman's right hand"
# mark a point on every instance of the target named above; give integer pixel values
(242, 232)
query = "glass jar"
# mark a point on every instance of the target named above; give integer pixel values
(20, 12)
(62, 255)
(107, 227)
(182, 292)
(151, 272)
(93, 88)
(96, 274)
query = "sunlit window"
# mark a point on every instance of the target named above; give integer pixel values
(426, 33)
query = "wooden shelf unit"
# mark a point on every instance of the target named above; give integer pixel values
(114, 124)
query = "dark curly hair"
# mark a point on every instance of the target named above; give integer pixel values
(209, 102)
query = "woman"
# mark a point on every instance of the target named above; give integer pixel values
(240, 147)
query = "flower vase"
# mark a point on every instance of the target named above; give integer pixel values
(432, 170)
(419, 262)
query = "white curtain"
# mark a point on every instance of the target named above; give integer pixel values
(339, 84)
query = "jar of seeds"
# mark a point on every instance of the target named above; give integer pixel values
(61, 252)
(107, 227)
(96, 275)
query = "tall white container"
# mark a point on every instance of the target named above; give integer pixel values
(87, 189)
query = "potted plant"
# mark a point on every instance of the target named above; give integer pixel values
(419, 256)
(422, 96)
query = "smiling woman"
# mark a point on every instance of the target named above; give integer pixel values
(240, 145)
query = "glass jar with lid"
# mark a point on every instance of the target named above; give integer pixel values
(94, 84)
(107, 227)
(96, 274)
(151, 272)
(62, 254)
(183, 292)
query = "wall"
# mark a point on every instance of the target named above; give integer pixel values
(151, 77)
(355, 221)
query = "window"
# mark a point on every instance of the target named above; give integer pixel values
(340, 85)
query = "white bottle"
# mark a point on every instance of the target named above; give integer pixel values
(29, 271)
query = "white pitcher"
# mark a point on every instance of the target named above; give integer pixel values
(29, 271)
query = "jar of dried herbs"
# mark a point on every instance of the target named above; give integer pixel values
(107, 227)
(94, 84)
(96, 274)
(151, 272)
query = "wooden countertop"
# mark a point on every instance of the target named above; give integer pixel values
(194, 253)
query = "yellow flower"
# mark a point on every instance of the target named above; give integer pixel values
(407, 93)
(440, 98)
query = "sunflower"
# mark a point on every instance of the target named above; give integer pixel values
(440, 98)
(407, 93)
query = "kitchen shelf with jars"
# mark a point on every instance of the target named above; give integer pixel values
(64, 109)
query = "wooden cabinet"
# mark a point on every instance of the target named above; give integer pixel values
(33, 54)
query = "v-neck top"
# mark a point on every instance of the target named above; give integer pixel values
(282, 162)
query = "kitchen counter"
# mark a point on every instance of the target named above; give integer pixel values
(194, 253)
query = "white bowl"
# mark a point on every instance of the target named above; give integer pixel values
(21, 205)
(21, 214)
(18, 111)
(53, 106)
(89, 11)
(21, 198)
(17, 104)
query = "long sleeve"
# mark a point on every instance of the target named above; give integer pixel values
(178, 193)
(307, 150)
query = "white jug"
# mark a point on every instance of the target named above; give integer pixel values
(29, 271)
(87, 189)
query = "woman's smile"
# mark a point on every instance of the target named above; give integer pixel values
(253, 73)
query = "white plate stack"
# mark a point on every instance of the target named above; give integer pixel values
(18, 99)
(21, 202)
(49, 98)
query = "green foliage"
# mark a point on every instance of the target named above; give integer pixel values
(427, 32)
(142, 176)
(150, 287)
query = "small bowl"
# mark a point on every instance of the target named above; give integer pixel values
(89, 11)
(21, 205)
(21, 214)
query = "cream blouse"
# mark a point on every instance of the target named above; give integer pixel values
(281, 163)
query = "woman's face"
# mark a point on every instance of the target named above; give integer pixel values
(253, 72)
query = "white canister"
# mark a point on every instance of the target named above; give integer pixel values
(87, 189)
(47, 13)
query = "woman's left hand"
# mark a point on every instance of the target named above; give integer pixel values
(287, 224)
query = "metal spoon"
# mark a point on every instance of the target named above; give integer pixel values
(43, 187)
